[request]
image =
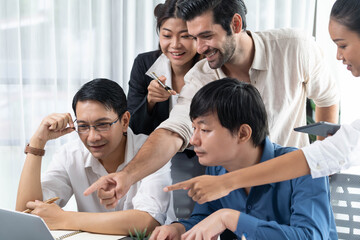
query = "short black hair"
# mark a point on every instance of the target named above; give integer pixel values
(223, 11)
(104, 91)
(235, 103)
(347, 13)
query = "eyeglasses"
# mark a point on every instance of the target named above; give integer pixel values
(100, 127)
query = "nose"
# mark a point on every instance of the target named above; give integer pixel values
(195, 140)
(200, 46)
(175, 43)
(93, 135)
(339, 55)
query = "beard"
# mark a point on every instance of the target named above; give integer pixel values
(225, 55)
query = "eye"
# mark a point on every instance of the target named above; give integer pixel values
(166, 36)
(204, 130)
(102, 126)
(83, 127)
(206, 36)
(342, 46)
(186, 36)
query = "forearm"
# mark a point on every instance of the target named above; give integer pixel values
(120, 222)
(284, 167)
(327, 114)
(158, 149)
(30, 180)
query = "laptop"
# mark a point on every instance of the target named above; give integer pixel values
(18, 226)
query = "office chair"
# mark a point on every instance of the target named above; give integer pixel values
(184, 165)
(345, 201)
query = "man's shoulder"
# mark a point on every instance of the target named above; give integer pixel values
(280, 150)
(283, 33)
(135, 140)
(285, 37)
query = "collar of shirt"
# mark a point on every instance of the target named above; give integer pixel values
(260, 56)
(268, 153)
(259, 62)
(159, 68)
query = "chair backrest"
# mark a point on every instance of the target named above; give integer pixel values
(345, 201)
(184, 165)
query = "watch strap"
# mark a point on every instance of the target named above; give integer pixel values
(34, 151)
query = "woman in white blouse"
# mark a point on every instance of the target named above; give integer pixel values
(321, 158)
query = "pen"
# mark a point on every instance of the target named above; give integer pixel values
(163, 85)
(49, 201)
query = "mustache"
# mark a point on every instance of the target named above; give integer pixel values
(95, 144)
(209, 51)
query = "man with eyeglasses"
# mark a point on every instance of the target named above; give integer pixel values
(105, 146)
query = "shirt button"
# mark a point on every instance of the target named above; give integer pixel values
(249, 207)
(342, 162)
(318, 167)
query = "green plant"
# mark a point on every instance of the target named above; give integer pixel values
(139, 235)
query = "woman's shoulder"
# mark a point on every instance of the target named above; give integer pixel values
(149, 56)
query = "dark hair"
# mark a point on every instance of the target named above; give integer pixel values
(235, 103)
(347, 13)
(164, 11)
(223, 11)
(106, 92)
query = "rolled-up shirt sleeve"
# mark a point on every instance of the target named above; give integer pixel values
(335, 153)
(150, 196)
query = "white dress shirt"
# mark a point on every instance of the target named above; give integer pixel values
(288, 67)
(162, 67)
(335, 153)
(73, 169)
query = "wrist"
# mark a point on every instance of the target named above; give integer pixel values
(150, 105)
(37, 143)
(179, 228)
(229, 218)
(226, 182)
(69, 220)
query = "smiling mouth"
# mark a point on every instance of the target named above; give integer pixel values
(209, 55)
(97, 146)
(177, 54)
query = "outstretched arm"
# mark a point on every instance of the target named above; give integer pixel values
(120, 222)
(208, 188)
(53, 126)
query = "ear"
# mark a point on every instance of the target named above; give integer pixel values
(236, 23)
(244, 133)
(125, 120)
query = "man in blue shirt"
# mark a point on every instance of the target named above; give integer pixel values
(230, 132)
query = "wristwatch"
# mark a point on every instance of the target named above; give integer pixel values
(34, 151)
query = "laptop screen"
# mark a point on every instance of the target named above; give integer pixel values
(18, 225)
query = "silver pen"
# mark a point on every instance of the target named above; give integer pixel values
(167, 88)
